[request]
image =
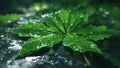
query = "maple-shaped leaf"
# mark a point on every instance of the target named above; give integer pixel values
(71, 28)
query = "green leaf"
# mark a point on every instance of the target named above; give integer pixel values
(97, 37)
(31, 30)
(64, 17)
(70, 27)
(73, 21)
(80, 44)
(65, 21)
(94, 32)
(8, 19)
(37, 43)
(60, 25)
(81, 20)
(98, 32)
(90, 29)
(53, 23)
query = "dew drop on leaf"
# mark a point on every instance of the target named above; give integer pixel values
(92, 45)
(91, 32)
(43, 45)
(71, 24)
(9, 21)
(76, 49)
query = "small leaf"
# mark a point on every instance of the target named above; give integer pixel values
(9, 18)
(64, 17)
(48, 19)
(31, 30)
(96, 37)
(80, 44)
(81, 20)
(93, 32)
(34, 44)
(91, 29)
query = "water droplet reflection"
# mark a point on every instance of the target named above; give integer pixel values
(92, 46)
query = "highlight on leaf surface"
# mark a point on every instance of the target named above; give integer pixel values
(71, 28)
(80, 44)
(34, 44)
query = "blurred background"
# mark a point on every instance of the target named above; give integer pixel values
(10, 6)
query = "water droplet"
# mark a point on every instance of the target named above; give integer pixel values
(81, 16)
(9, 51)
(43, 44)
(43, 16)
(107, 13)
(102, 38)
(2, 36)
(100, 9)
(35, 35)
(28, 14)
(38, 47)
(65, 60)
(52, 62)
(92, 45)
(70, 62)
(66, 21)
(9, 21)
(91, 32)
(10, 61)
(1, 58)
(71, 24)
(76, 49)
(90, 36)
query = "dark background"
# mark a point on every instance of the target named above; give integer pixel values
(9, 6)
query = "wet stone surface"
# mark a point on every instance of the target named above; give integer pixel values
(59, 59)
(8, 46)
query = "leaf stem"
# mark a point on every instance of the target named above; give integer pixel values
(87, 60)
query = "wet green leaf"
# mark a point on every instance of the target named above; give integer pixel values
(53, 22)
(80, 44)
(37, 43)
(71, 28)
(64, 16)
(31, 30)
(8, 19)
(95, 33)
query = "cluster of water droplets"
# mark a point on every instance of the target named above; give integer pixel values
(46, 15)
(29, 17)
(9, 46)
